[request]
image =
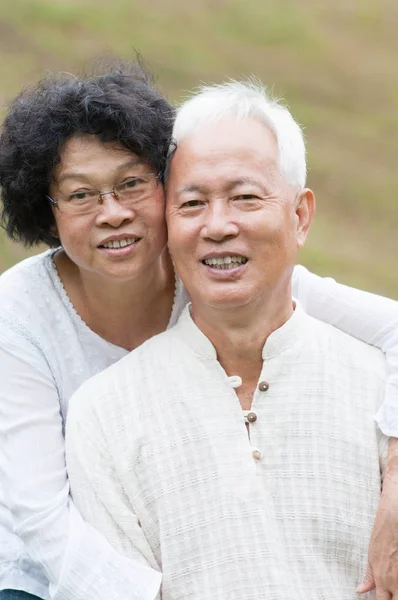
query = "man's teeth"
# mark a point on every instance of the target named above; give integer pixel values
(119, 243)
(226, 262)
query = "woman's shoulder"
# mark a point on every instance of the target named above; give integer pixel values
(27, 287)
(181, 299)
(26, 271)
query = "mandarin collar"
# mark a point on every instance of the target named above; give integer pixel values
(278, 341)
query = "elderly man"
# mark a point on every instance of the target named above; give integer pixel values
(236, 452)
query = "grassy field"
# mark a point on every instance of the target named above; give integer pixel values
(334, 61)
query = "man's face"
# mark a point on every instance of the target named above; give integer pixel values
(234, 223)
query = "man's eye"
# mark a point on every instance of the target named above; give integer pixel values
(245, 197)
(192, 204)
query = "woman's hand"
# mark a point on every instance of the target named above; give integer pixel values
(382, 571)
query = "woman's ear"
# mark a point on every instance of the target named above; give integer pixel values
(54, 231)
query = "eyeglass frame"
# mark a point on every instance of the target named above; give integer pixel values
(159, 177)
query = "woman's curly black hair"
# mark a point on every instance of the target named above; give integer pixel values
(120, 105)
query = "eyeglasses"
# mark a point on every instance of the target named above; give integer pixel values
(127, 192)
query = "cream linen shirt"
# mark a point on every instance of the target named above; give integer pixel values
(46, 353)
(160, 463)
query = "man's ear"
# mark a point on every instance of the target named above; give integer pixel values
(305, 211)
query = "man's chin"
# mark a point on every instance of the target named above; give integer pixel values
(223, 302)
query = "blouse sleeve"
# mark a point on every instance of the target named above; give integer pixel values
(368, 317)
(96, 487)
(78, 561)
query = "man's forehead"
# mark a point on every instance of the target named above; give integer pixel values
(230, 139)
(229, 129)
(235, 163)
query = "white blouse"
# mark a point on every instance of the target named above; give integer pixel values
(46, 353)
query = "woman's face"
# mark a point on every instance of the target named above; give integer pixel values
(134, 233)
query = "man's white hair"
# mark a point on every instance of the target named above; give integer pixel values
(247, 99)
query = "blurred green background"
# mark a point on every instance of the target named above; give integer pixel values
(334, 61)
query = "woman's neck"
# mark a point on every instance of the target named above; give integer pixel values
(124, 313)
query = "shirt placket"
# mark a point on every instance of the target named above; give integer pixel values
(253, 420)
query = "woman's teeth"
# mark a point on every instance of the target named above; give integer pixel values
(119, 243)
(226, 262)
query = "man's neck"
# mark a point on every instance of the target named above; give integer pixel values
(125, 313)
(239, 334)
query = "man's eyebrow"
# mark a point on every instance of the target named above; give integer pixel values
(186, 189)
(86, 176)
(244, 181)
(230, 185)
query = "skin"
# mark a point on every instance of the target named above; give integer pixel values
(225, 197)
(132, 286)
(382, 571)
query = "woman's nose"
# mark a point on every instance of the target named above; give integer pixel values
(112, 211)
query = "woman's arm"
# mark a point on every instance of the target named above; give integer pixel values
(374, 320)
(368, 317)
(382, 570)
(79, 562)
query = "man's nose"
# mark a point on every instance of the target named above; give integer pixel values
(218, 223)
(113, 212)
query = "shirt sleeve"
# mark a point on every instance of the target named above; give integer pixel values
(368, 317)
(80, 563)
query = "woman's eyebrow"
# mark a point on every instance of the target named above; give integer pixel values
(131, 163)
(66, 176)
(87, 176)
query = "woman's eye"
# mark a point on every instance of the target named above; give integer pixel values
(83, 195)
(131, 183)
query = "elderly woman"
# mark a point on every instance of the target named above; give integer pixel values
(81, 164)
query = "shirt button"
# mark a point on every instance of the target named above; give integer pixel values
(263, 386)
(251, 417)
(256, 454)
